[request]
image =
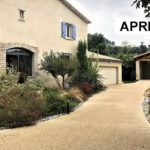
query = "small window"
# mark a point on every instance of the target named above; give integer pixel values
(21, 14)
(68, 31)
(66, 56)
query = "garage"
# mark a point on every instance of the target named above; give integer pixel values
(109, 75)
(143, 66)
(110, 68)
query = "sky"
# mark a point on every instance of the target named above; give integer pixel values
(103, 14)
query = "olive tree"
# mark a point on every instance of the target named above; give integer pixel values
(59, 66)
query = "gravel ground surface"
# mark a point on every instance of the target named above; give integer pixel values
(110, 120)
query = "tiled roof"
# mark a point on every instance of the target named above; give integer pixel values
(102, 57)
(147, 54)
(74, 10)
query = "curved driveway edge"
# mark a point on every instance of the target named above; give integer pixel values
(110, 120)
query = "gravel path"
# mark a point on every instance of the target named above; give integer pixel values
(110, 120)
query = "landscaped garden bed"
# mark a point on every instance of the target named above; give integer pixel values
(25, 102)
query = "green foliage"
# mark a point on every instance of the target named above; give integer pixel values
(126, 52)
(24, 104)
(143, 4)
(20, 107)
(81, 56)
(34, 85)
(57, 66)
(88, 71)
(98, 43)
(55, 103)
(92, 73)
(8, 80)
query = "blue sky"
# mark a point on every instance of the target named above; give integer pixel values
(103, 13)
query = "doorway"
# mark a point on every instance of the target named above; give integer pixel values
(20, 59)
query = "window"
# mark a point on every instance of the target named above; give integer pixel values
(68, 31)
(21, 14)
(20, 59)
(66, 56)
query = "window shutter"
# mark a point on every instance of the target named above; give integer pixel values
(63, 29)
(74, 34)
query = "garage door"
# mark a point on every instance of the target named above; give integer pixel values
(109, 75)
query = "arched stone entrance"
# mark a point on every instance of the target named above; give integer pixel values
(20, 59)
(23, 56)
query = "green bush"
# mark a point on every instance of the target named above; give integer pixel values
(55, 103)
(20, 107)
(87, 75)
(24, 104)
(8, 80)
(59, 66)
(34, 84)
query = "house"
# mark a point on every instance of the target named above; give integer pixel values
(143, 66)
(29, 29)
(110, 68)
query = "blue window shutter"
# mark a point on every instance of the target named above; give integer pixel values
(63, 29)
(74, 32)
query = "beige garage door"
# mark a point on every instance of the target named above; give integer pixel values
(109, 75)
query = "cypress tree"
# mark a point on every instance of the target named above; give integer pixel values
(81, 56)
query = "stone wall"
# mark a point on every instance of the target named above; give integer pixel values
(5, 46)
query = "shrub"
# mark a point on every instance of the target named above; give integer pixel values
(147, 93)
(87, 75)
(75, 94)
(59, 66)
(34, 84)
(55, 102)
(89, 80)
(8, 80)
(20, 107)
(98, 87)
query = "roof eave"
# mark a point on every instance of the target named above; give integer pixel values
(74, 10)
(141, 55)
(107, 60)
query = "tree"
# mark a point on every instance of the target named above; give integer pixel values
(143, 48)
(81, 56)
(87, 70)
(143, 4)
(98, 43)
(57, 66)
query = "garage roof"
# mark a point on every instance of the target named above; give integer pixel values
(74, 10)
(144, 55)
(96, 56)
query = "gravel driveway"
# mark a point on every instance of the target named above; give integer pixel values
(110, 120)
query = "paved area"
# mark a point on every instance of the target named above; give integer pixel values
(110, 120)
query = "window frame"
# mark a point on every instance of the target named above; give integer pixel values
(22, 15)
(66, 56)
(68, 31)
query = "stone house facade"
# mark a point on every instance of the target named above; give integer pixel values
(30, 28)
